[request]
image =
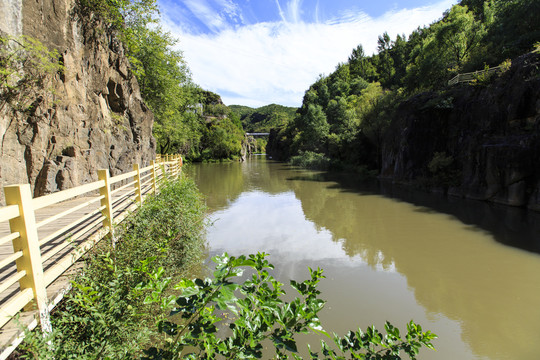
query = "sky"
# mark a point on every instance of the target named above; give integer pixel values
(260, 52)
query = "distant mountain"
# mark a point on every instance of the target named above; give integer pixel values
(264, 118)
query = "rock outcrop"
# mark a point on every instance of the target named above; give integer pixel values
(482, 141)
(93, 115)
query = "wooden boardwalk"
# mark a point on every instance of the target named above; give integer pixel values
(55, 291)
(68, 224)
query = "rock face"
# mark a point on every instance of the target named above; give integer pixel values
(92, 118)
(487, 138)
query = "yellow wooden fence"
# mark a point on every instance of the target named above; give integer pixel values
(35, 262)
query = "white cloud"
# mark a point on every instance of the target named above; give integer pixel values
(276, 62)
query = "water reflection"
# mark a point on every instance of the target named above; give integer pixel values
(386, 258)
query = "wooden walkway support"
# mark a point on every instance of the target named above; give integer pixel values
(42, 238)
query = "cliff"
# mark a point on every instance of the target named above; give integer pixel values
(474, 141)
(90, 116)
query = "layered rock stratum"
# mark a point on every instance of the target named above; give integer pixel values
(91, 116)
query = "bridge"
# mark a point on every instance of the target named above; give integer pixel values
(42, 238)
(257, 134)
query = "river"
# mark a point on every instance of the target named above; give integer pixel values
(468, 271)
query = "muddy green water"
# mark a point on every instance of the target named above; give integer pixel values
(468, 271)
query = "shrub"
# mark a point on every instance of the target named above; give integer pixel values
(26, 65)
(311, 160)
(443, 169)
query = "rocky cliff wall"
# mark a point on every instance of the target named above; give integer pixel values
(91, 117)
(487, 136)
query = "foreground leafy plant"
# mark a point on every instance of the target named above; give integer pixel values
(225, 319)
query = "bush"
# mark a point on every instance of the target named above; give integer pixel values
(443, 170)
(311, 160)
(26, 67)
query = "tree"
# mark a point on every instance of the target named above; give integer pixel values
(339, 81)
(222, 139)
(385, 63)
(459, 33)
(339, 116)
(166, 87)
(515, 28)
(313, 128)
(361, 66)
(445, 49)
(399, 52)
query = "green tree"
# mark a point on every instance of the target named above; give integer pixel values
(340, 116)
(166, 87)
(459, 33)
(515, 28)
(222, 139)
(385, 62)
(361, 66)
(399, 52)
(313, 128)
(446, 48)
(339, 81)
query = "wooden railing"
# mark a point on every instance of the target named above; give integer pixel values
(36, 261)
(472, 76)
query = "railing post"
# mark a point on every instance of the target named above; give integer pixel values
(176, 168)
(164, 158)
(28, 243)
(105, 190)
(137, 179)
(179, 163)
(154, 177)
(171, 166)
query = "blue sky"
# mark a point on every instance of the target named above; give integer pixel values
(258, 52)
